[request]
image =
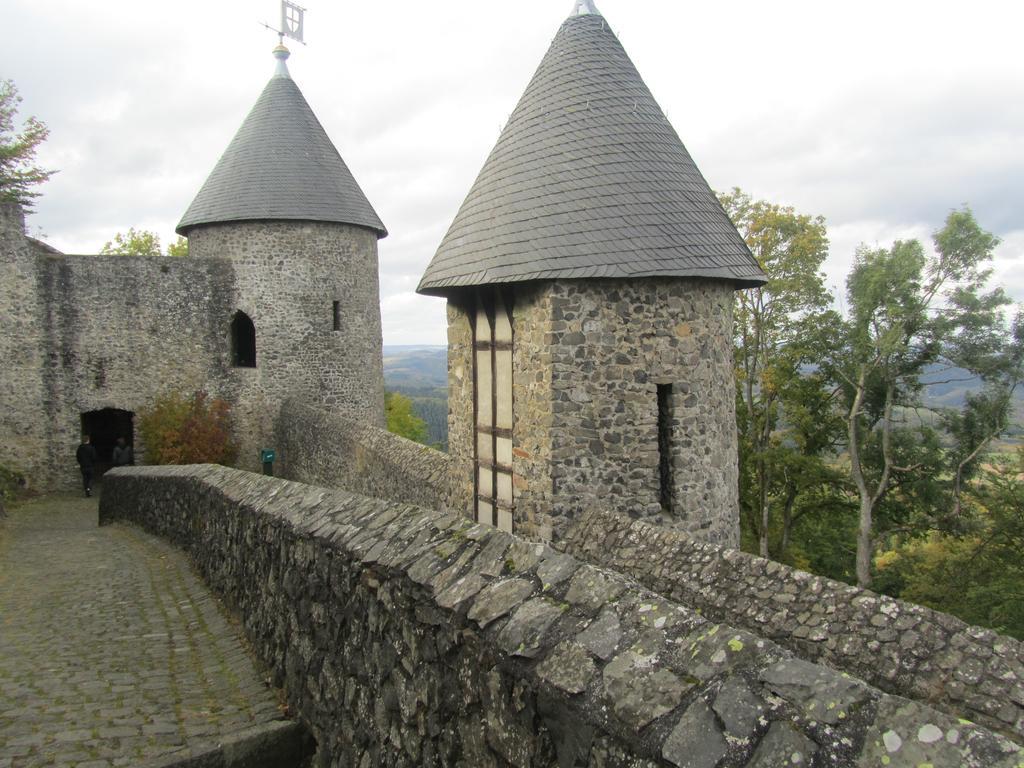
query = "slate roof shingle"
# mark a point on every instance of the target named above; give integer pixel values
(281, 165)
(588, 179)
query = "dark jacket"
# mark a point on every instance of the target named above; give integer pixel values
(86, 456)
(123, 456)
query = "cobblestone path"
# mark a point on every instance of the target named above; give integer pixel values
(112, 651)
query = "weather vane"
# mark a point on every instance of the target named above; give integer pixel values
(292, 22)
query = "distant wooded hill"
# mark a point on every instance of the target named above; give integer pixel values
(421, 374)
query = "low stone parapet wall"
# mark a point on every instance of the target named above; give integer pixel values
(899, 647)
(408, 637)
(329, 449)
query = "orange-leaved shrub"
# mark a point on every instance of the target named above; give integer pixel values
(188, 430)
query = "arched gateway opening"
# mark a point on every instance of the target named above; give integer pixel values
(104, 427)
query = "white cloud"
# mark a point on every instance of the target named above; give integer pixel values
(880, 117)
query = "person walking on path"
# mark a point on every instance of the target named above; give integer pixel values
(86, 456)
(123, 455)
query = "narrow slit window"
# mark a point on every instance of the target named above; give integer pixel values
(665, 448)
(337, 315)
(243, 341)
(492, 365)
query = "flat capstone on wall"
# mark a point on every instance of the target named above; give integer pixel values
(899, 647)
(405, 637)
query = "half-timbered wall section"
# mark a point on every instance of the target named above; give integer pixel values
(492, 345)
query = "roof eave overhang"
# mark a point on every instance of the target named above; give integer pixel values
(184, 228)
(446, 288)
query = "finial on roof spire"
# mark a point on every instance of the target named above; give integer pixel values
(281, 54)
(585, 8)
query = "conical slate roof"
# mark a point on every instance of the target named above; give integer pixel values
(281, 165)
(588, 180)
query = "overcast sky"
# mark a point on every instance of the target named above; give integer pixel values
(880, 116)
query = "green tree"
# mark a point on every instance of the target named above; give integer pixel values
(401, 419)
(979, 575)
(998, 358)
(19, 175)
(133, 243)
(908, 311)
(188, 430)
(809, 479)
(777, 334)
(179, 247)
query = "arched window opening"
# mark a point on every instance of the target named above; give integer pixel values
(243, 341)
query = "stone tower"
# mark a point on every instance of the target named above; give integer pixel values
(589, 276)
(282, 206)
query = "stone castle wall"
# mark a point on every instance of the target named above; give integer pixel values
(899, 647)
(409, 637)
(85, 333)
(22, 352)
(588, 359)
(95, 332)
(336, 451)
(120, 332)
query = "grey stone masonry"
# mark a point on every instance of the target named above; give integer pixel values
(330, 449)
(588, 359)
(460, 408)
(405, 637)
(84, 333)
(22, 351)
(287, 277)
(88, 333)
(899, 647)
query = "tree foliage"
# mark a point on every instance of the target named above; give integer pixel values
(401, 419)
(188, 430)
(908, 310)
(977, 575)
(134, 242)
(142, 242)
(19, 174)
(179, 247)
(844, 469)
(782, 413)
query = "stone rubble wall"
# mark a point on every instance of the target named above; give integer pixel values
(24, 445)
(588, 359)
(332, 450)
(288, 274)
(612, 342)
(84, 333)
(461, 412)
(899, 647)
(406, 637)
